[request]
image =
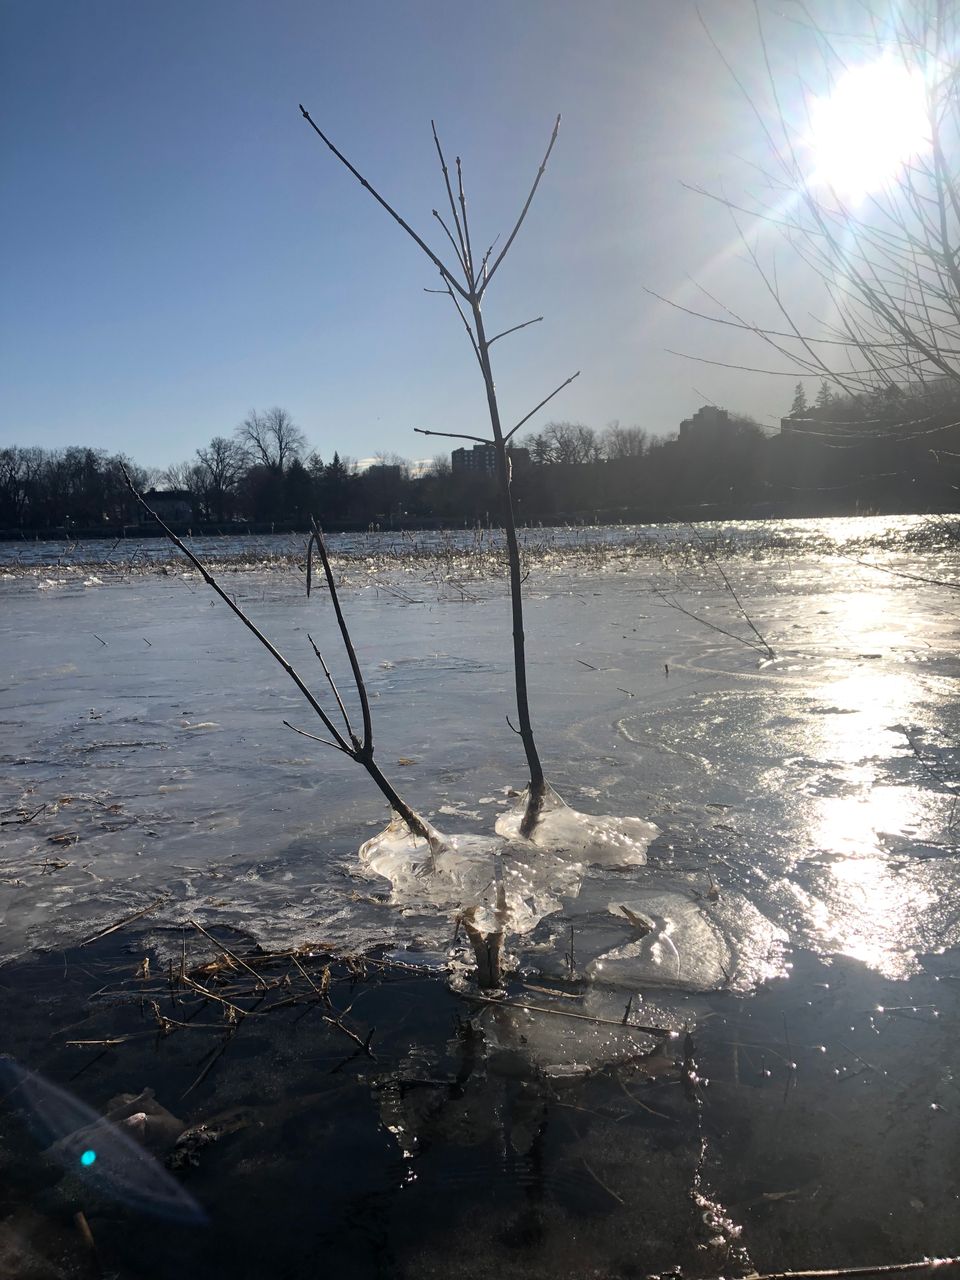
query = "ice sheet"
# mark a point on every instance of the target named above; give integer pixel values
(143, 761)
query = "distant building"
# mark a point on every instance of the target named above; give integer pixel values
(172, 505)
(481, 460)
(384, 471)
(708, 423)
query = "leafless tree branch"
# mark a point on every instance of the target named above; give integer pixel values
(537, 408)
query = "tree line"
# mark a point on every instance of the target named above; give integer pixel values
(887, 450)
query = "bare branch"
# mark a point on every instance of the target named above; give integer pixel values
(324, 742)
(231, 604)
(729, 585)
(536, 408)
(363, 754)
(482, 274)
(675, 604)
(462, 252)
(466, 227)
(466, 325)
(367, 748)
(449, 236)
(336, 692)
(516, 327)
(523, 213)
(444, 271)
(450, 435)
(745, 324)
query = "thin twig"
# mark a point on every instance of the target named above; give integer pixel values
(444, 271)
(333, 686)
(451, 435)
(462, 251)
(125, 921)
(836, 1273)
(664, 1032)
(729, 586)
(537, 408)
(324, 742)
(347, 640)
(226, 950)
(515, 329)
(523, 213)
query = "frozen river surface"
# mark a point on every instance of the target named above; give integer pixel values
(143, 727)
(808, 806)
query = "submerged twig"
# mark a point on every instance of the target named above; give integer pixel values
(665, 1033)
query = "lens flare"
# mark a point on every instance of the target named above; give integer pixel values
(113, 1164)
(872, 122)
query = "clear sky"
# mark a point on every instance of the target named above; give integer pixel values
(178, 247)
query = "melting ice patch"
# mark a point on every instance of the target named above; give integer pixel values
(459, 871)
(659, 933)
(599, 839)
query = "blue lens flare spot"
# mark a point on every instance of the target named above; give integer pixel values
(88, 1158)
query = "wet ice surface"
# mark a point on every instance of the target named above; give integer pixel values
(821, 788)
(804, 878)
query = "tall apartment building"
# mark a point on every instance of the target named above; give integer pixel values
(481, 460)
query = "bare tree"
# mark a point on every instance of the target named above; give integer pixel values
(565, 443)
(221, 465)
(272, 438)
(623, 442)
(466, 285)
(181, 475)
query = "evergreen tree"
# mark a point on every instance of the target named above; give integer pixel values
(799, 406)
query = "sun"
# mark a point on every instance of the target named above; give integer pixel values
(872, 122)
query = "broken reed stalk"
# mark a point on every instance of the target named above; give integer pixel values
(357, 748)
(847, 1273)
(467, 283)
(673, 603)
(112, 928)
(708, 551)
(218, 982)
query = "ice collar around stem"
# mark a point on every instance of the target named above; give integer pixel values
(600, 839)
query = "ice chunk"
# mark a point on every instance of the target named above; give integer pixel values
(463, 870)
(600, 839)
(539, 1030)
(660, 933)
(671, 940)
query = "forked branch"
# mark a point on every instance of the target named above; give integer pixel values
(358, 747)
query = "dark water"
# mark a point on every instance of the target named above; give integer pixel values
(807, 864)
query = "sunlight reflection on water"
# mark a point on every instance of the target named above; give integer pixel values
(867, 909)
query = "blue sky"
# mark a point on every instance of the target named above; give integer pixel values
(178, 247)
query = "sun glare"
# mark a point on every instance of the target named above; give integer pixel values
(872, 122)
